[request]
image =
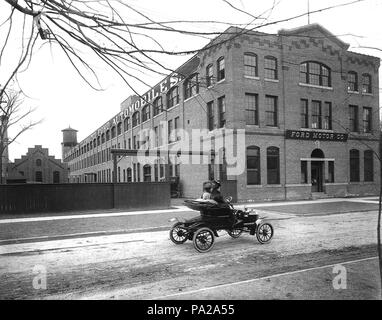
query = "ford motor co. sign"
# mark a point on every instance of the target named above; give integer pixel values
(315, 135)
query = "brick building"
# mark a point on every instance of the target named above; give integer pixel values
(308, 107)
(37, 166)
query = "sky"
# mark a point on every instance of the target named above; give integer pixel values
(63, 99)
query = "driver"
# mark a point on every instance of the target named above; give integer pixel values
(216, 194)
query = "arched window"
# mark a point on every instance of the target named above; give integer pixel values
(253, 165)
(209, 74)
(220, 69)
(315, 73)
(135, 119)
(157, 106)
(145, 113)
(98, 140)
(366, 83)
(113, 132)
(191, 86)
(270, 68)
(354, 165)
(119, 128)
(102, 138)
(38, 163)
(147, 173)
(368, 164)
(352, 81)
(38, 177)
(56, 177)
(128, 175)
(250, 64)
(172, 97)
(107, 135)
(126, 124)
(94, 142)
(273, 165)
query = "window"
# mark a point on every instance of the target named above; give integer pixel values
(210, 115)
(250, 64)
(170, 131)
(368, 165)
(191, 86)
(354, 165)
(331, 171)
(119, 128)
(270, 68)
(209, 74)
(113, 131)
(352, 81)
(157, 106)
(327, 116)
(176, 127)
(56, 177)
(366, 83)
(126, 124)
(316, 115)
(102, 138)
(98, 141)
(353, 118)
(252, 109)
(135, 119)
(304, 172)
(271, 111)
(221, 69)
(304, 113)
(172, 97)
(38, 176)
(145, 113)
(366, 119)
(146, 173)
(253, 165)
(315, 73)
(221, 110)
(38, 163)
(128, 175)
(273, 165)
(156, 172)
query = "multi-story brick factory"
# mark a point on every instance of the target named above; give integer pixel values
(307, 107)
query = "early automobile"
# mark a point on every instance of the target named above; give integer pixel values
(213, 217)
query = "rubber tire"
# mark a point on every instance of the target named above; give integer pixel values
(258, 236)
(196, 235)
(172, 237)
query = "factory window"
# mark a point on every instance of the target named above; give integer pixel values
(170, 131)
(210, 115)
(331, 171)
(220, 69)
(157, 106)
(113, 132)
(107, 135)
(354, 165)
(270, 68)
(191, 86)
(172, 97)
(366, 83)
(250, 64)
(221, 111)
(253, 165)
(145, 113)
(128, 175)
(135, 119)
(91, 145)
(368, 165)
(176, 128)
(273, 165)
(38, 177)
(327, 116)
(146, 173)
(119, 128)
(366, 118)
(38, 163)
(316, 115)
(271, 111)
(352, 81)
(353, 118)
(209, 74)
(252, 108)
(304, 172)
(56, 177)
(315, 73)
(102, 138)
(126, 124)
(304, 113)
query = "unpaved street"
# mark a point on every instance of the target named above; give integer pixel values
(147, 265)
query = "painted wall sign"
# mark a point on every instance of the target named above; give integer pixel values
(316, 135)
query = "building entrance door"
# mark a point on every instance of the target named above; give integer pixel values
(317, 173)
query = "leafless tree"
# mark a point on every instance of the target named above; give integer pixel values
(12, 115)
